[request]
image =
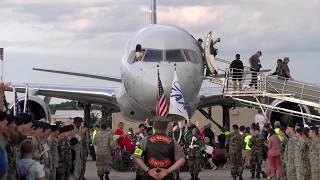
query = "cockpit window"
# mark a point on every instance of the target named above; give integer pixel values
(152, 55)
(174, 56)
(191, 56)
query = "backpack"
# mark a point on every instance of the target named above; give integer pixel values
(24, 172)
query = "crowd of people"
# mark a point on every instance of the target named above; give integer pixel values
(282, 152)
(36, 150)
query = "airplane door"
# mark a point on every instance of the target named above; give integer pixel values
(209, 58)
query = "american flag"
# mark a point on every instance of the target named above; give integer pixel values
(162, 106)
(1, 54)
(5, 104)
(17, 109)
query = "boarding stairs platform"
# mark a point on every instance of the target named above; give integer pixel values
(266, 86)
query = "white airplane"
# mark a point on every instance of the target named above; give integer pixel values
(166, 47)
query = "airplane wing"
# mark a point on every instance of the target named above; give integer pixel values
(94, 95)
(93, 76)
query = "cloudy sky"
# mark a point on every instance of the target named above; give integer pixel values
(89, 35)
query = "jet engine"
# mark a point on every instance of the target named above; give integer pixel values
(286, 118)
(37, 107)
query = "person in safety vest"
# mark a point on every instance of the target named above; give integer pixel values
(159, 156)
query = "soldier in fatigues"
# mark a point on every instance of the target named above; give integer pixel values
(194, 151)
(298, 146)
(104, 145)
(11, 149)
(236, 144)
(77, 149)
(137, 141)
(54, 155)
(305, 144)
(64, 150)
(45, 149)
(314, 153)
(159, 156)
(257, 145)
(85, 141)
(289, 153)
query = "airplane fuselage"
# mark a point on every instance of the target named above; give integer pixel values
(166, 48)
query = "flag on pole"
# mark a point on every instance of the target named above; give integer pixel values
(1, 54)
(177, 104)
(16, 109)
(26, 98)
(5, 104)
(162, 106)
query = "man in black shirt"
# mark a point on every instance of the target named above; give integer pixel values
(236, 70)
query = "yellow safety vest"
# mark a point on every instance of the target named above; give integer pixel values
(279, 133)
(247, 140)
(227, 133)
(94, 134)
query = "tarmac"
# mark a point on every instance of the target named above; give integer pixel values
(219, 174)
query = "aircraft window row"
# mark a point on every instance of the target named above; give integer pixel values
(152, 56)
(172, 55)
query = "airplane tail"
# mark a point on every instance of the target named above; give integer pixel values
(153, 12)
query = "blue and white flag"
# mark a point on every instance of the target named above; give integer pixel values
(177, 104)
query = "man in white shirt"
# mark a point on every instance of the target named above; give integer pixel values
(260, 119)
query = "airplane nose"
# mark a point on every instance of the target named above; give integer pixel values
(143, 82)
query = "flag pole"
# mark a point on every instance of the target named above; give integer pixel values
(2, 70)
(25, 99)
(1, 57)
(14, 100)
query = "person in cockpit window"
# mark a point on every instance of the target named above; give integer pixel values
(139, 53)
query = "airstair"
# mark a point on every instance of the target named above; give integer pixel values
(264, 87)
(267, 86)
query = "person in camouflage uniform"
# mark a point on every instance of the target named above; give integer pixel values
(305, 161)
(257, 145)
(289, 154)
(236, 144)
(298, 146)
(85, 141)
(194, 151)
(10, 148)
(314, 153)
(137, 140)
(44, 149)
(53, 155)
(64, 152)
(104, 145)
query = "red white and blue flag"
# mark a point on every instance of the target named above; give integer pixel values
(17, 108)
(162, 106)
(1, 54)
(5, 104)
